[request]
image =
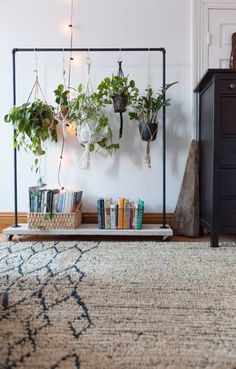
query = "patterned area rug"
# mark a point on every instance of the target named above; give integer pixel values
(113, 305)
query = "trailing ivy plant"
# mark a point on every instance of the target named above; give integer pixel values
(33, 123)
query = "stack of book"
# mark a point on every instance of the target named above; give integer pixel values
(124, 214)
(53, 201)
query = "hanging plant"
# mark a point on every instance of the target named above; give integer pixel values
(62, 99)
(65, 110)
(33, 123)
(145, 111)
(93, 129)
(118, 91)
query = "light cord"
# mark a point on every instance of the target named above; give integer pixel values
(64, 81)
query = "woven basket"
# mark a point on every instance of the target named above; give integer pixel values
(57, 220)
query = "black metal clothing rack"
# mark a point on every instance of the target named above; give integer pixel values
(160, 49)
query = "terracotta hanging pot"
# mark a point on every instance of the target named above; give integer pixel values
(148, 131)
(120, 103)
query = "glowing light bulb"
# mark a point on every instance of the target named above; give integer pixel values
(65, 29)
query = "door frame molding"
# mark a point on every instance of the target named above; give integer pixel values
(200, 11)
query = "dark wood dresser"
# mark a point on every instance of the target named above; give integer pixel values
(217, 136)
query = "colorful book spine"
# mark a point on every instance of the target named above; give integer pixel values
(117, 214)
(101, 214)
(77, 196)
(113, 216)
(140, 214)
(107, 213)
(121, 213)
(135, 215)
(131, 214)
(126, 219)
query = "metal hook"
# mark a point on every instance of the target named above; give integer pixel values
(120, 58)
(88, 61)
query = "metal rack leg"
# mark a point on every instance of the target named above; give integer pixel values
(15, 151)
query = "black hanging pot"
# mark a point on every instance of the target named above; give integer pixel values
(120, 103)
(148, 131)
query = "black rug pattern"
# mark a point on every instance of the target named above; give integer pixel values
(38, 281)
(117, 305)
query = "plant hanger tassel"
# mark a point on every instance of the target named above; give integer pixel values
(151, 134)
(121, 75)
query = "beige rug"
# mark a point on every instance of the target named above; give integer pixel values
(117, 305)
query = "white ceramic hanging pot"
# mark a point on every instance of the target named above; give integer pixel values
(85, 133)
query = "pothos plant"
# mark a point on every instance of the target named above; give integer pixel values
(34, 123)
(62, 95)
(119, 91)
(88, 112)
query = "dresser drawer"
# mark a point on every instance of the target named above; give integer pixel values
(228, 115)
(228, 86)
(227, 151)
(228, 182)
(227, 213)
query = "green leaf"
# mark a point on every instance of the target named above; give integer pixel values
(91, 147)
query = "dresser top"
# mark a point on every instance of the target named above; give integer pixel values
(208, 75)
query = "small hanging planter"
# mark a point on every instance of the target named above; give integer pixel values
(145, 110)
(118, 91)
(120, 103)
(86, 133)
(148, 131)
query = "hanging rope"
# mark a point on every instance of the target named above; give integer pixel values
(151, 134)
(120, 74)
(120, 71)
(149, 70)
(88, 85)
(147, 157)
(60, 162)
(36, 89)
(64, 69)
(88, 132)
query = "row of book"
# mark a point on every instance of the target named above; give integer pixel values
(124, 214)
(53, 201)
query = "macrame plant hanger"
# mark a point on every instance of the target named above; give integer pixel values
(35, 92)
(36, 89)
(147, 157)
(85, 132)
(63, 119)
(121, 75)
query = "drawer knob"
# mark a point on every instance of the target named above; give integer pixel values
(232, 86)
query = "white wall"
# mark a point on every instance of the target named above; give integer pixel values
(103, 23)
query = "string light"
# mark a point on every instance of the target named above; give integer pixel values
(71, 28)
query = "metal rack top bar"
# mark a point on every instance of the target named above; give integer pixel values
(162, 49)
